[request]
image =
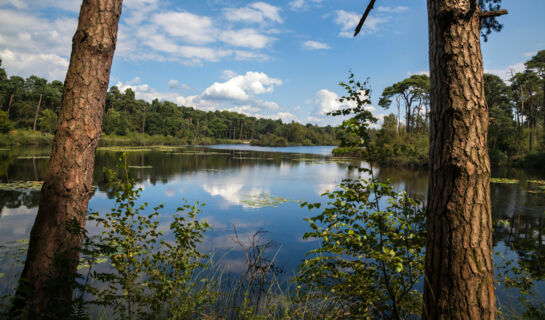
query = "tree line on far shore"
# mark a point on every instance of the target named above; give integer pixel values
(516, 109)
(34, 103)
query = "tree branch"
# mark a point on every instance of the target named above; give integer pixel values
(490, 14)
(364, 17)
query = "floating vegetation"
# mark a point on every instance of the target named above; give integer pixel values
(252, 158)
(537, 191)
(85, 264)
(540, 182)
(1, 275)
(125, 149)
(33, 157)
(23, 186)
(140, 167)
(265, 200)
(166, 148)
(195, 153)
(504, 180)
(4, 149)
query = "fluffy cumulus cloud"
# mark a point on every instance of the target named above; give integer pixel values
(30, 44)
(315, 45)
(238, 94)
(349, 20)
(327, 101)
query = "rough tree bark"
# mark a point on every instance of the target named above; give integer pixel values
(459, 268)
(53, 251)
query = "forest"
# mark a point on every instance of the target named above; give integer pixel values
(516, 108)
(33, 104)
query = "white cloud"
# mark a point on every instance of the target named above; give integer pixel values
(248, 38)
(315, 45)
(257, 12)
(326, 101)
(50, 66)
(237, 94)
(530, 54)
(506, 73)
(392, 9)
(240, 88)
(67, 5)
(299, 4)
(173, 84)
(190, 27)
(349, 20)
(228, 74)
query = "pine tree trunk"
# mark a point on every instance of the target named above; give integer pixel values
(45, 285)
(459, 269)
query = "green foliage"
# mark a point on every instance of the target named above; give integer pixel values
(126, 117)
(47, 121)
(5, 124)
(150, 274)
(371, 257)
(372, 238)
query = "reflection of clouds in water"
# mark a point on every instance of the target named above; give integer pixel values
(227, 241)
(170, 192)
(16, 223)
(232, 265)
(6, 212)
(233, 194)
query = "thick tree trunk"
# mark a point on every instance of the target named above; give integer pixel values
(53, 252)
(37, 112)
(459, 269)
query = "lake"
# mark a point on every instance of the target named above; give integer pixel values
(251, 189)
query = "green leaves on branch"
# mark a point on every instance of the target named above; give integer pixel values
(149, 274)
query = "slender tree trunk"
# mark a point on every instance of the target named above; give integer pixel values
(10, 101)
(47, 280)
(459, 269)
(37, 112)
(144, 120)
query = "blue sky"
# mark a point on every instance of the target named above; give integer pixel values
(276, 58)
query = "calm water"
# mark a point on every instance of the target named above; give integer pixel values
(230, 178)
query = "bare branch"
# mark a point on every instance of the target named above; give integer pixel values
(364, 17)
(490, 14)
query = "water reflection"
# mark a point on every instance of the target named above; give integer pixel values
(225, 179)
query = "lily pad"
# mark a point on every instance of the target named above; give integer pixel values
(1, 275)
(141, 167)
(265, 200)
(540, 182)
(504, 180)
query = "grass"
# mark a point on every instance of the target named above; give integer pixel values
(25, 138)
